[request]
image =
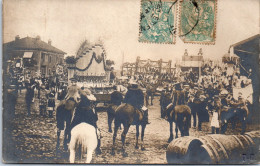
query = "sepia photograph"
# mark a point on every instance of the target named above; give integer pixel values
(130, 82)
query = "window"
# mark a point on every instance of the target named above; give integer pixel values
(50, 58)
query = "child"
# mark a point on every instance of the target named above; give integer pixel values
(215, 122)
(43, 100)
(215, 117)
(51, 102)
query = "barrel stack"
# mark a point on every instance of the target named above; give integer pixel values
(215, 149)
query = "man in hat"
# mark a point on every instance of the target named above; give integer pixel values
(135, 97)
(29, 97)
(116, 97)
(73, 91)
(85, 112)
(240, 104)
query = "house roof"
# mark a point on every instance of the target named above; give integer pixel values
(246, 40)
(29, 43)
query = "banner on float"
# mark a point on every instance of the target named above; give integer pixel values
(247, 93)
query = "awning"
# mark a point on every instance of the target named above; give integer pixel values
(27, 54)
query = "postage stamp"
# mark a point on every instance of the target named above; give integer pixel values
(197, 23)
(157, 21)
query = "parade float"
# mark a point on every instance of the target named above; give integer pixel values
(89, 68)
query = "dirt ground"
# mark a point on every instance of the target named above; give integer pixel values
(33, 139)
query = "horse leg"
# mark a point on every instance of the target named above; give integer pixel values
(72, 155)
(137, 136)
(152, 99)
(194, 119)
(142, 137)
(171, 133)
(176, 129)
(224, 128)
(58, 139)
(243, 127)
(181, 126)
(72, 150)
(67, 136)
(109, 119)
(123, 135)
(89, 156)
(117, 124)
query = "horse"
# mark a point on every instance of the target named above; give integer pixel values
(165, 100)
(127, 115)
(198, 107)
(84, 138)
(181, 115)
(150, 91)
(111, 113)
(233, 116)
(64, 114)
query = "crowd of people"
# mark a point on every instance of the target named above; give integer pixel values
(209, 93)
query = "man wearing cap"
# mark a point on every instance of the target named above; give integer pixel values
(135, 97)
(240, 104)
(85, 112)
(73, 91)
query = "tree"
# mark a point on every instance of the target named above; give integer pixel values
(110, 62)
(71, 60)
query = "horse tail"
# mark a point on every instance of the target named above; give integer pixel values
(83, 138)
(188, 115)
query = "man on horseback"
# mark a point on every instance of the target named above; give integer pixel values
(85, 112)
(73, 91)
(135, 97)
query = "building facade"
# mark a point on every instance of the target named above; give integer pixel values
(36, 57)
(192, 62)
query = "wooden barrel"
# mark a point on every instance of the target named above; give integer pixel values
(213, 149)
(181, 150)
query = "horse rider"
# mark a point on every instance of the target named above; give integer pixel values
(116, 97)
(85, 112)
(178, 97)
(135, 97)
(73, 91)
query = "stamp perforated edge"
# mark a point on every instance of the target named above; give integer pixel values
(175, 25)
(198, 42)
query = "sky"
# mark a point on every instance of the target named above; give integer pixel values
(116, 22)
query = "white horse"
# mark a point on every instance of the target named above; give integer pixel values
(84, 138)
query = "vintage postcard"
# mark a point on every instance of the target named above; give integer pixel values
(130, 82)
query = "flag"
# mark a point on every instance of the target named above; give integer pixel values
(247, 93)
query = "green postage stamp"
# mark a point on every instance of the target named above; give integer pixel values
(197, 23)
(196, 18)
(157, 22)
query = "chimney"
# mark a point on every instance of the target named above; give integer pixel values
(49, 41)
(38, 38)
(17, 37)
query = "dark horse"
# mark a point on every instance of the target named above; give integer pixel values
(64, 114)
(233, 116)
(180, 114)
(111, 113)
(150, 92)
(127, 115)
